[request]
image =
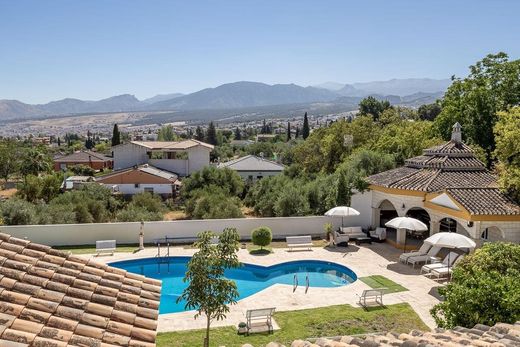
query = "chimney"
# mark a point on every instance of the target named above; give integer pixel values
(456, 134)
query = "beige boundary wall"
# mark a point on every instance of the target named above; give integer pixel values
(87, 234)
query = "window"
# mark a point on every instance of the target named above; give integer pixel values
(148, 190)
(136, 185)
(259, 177)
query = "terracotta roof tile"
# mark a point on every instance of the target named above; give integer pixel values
(51, 298)
(484, 201)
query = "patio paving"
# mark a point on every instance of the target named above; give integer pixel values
(364, 260)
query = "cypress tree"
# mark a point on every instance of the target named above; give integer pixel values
(305, 130)
(297, 132)
(59, 142)
(288, 131)
(116, 136)
(342, 194)
(264, 128)
(199, 133)
(238, 135)
(211, 134)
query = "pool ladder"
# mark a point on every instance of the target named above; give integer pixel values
(295, 283)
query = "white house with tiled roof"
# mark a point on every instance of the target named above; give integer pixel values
(181, 158)
(252, 168)
(449, 189)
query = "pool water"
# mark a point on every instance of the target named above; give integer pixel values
(250, 279)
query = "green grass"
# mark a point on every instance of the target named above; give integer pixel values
(378, 281)
(257, 250)
(88, 249)
(303, 324)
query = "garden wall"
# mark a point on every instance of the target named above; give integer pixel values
(184, 230)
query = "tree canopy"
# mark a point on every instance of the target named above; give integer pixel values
(485, 288)
(208, 291)
(493, 85)
(370, 106)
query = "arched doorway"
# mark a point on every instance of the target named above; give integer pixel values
(492, 234)
(387, 212)
(422, 215)
(450, 225)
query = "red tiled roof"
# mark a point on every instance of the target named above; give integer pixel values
(83, 156)
(52, 298)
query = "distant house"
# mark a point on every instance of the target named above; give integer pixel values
(139, 179)
(91, 159)
(75, 182)
(241, 143)
(253, 168)
(181, 158)
(265, 137)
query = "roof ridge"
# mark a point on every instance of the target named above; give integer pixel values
(434, 176)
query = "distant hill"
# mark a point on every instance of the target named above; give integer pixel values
(400, 87)
(246, 94)
(13, 109)
(238, 95)
(162, 97)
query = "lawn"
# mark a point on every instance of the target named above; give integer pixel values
(303, 324)
(89, 249)
(378, 281)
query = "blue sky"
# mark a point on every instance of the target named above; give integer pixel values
(99, 48)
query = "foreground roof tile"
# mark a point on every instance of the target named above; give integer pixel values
(50, 298)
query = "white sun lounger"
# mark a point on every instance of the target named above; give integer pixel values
(445, 271)
(424, 258)
(447, 261)
(425, 247)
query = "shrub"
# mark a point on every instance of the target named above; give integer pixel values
(485, 288)
(147, 201)
(82, 170)
(262, 237)
(213, 203)
(18, 212)
(228, 180)
(135, 214)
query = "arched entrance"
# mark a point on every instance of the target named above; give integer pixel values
(422, 215)
(387, 212)
(450, 225)
(492, 234)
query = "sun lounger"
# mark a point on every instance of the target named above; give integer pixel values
(422, 251)
(260, 317)
(446, 270)
(447, 261)
(427, 258)
(299, 242)
(105, 246)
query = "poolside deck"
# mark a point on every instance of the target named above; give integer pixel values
(365, 260)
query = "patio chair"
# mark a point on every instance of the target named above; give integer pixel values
(378, 235)
(447, 261)
(425, 247)
(427, 258)
(340, 238)
(446, 270)
(260, 318)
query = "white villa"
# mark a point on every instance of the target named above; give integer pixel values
(181, 158)
(252, 168)
(449, 189)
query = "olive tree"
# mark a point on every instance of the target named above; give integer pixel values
(485, 288)
(262, 236)
(208, 291)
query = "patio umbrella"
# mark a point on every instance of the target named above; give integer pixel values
(343, 211)
(406, 223)
(451, 240)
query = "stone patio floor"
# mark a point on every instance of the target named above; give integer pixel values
(364, 260)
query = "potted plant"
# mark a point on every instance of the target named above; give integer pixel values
(242, 328)
(328, 232)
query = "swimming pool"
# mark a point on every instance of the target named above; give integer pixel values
(249, 278)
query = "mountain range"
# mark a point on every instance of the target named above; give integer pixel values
(238, 95)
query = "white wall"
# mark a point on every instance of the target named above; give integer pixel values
(129, 155)
(198, 158)
(130, 189)
(245, 174)
(362, 202)
(83, 234)
(178, 166)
